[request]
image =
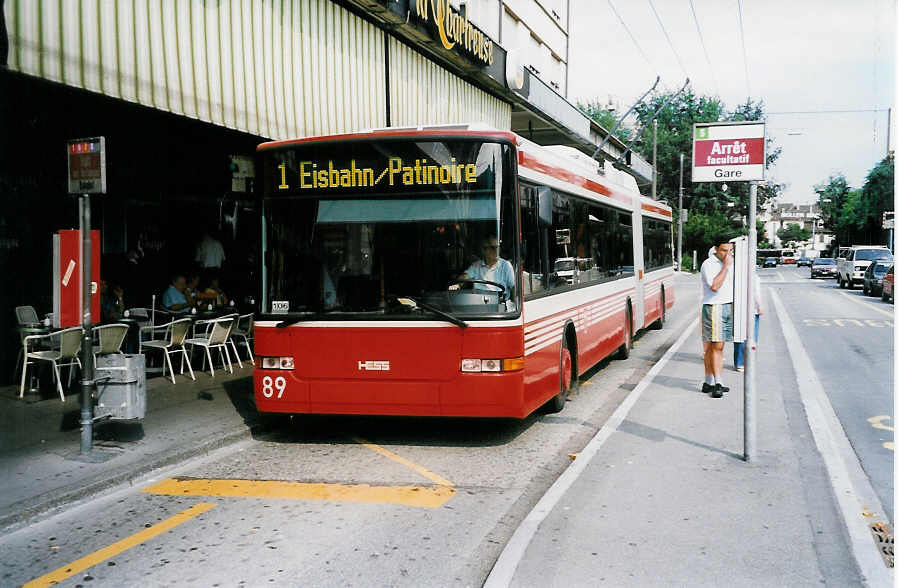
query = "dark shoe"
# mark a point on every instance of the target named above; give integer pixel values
(718, 391)
(723, 389)
(707, 388)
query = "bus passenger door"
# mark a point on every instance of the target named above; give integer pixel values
(638, 271)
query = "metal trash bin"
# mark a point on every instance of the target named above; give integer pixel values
(121, 386)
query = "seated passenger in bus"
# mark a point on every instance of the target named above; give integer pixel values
(490, 267)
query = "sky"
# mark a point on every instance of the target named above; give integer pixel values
(800, 56)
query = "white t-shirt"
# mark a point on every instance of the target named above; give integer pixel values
(724, 295)
(209, 253)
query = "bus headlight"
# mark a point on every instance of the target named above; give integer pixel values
(277, 363)
(492, 365)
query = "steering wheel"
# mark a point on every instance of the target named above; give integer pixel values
(502, 295)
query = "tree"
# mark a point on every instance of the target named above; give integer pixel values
(877, 196)
(793, 232)
(832, 197)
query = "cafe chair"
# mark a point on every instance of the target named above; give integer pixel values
(243, 330)
(217, 333)
(110, 338)
(236, 318)
(66, 355)
(173, 342)
(26, 316)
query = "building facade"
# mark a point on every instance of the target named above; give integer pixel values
(778, 216)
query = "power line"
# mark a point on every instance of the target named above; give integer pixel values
(705, 49)
(828, 111)
(672, 48)
(744, 54)
(632, 38)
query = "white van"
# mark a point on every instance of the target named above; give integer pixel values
(851, 268)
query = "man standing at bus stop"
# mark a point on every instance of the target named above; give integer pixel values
(717, 313)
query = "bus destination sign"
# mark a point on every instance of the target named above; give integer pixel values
(87, 165)
(728, 152)
(397, 172)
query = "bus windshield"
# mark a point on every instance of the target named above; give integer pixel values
(390, 229)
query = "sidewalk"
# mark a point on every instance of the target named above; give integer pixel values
(39, 436)
(666, 499)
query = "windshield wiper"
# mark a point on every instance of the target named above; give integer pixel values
(293, 321)
(417, 303)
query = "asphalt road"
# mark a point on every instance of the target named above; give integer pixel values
(330, 501)
(849, 339)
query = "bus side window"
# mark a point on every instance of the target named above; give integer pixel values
(560, 240)
(532, 274)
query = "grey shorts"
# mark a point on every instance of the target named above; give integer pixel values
(717, 322)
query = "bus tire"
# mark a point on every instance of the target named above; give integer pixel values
(623, 352)
(659, 324)
(567, 377)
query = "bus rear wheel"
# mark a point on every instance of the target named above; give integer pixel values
(566, 372)
(623, 352)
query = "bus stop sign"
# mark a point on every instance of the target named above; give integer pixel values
(87, 165)
(728, 151)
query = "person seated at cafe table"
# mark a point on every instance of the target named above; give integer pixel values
(112, 301)
(213, 292)
(176, 298)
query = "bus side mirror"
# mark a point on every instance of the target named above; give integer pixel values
(544, 206)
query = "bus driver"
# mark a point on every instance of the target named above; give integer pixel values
(490, 267)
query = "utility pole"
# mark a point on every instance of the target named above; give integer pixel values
(750, 399)
(655, 159)
(680, 221)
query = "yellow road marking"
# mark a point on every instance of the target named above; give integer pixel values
(79, 565)
(411, 465)
(405, 495)
(868, 305)
(877, 424)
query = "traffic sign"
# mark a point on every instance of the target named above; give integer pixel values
(728, 151)
(87, 165)
(888, 219)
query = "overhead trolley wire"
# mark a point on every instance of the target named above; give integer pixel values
(632, 38)
(744, 54)
(704, 48)
(669, 42)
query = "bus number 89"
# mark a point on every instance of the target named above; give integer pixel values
(269, 386)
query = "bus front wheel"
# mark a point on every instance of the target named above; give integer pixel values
(623, 352)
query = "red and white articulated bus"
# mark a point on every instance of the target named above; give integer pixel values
(447, 271)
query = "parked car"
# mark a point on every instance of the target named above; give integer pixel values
(888, 284)
(770, 262)
(873, 277)
(823, 267)
(803, 261)
(851, 269)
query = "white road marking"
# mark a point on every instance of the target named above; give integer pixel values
(504, 569)
(852, 488)
(889, 314)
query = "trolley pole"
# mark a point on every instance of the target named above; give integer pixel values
(87, 371)
(750, 428)
(680, 221)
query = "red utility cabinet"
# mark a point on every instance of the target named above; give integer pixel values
(67, 278)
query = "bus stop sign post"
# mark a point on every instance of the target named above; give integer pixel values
(87, 175)
(737, 152)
